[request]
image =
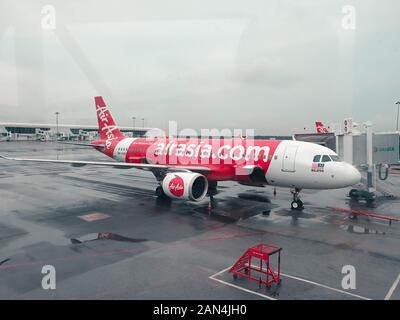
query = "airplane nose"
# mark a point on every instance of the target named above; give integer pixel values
(353, 175)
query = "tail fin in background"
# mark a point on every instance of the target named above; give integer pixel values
(107, 128)
(320, 127)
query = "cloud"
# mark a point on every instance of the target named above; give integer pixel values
(266, 71)
(205, 64)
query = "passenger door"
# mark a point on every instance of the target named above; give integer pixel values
(289, 159)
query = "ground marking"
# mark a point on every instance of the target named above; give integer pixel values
(95, 216)
(238, 287)
(392, 288)
(213, 277)
(325, 286)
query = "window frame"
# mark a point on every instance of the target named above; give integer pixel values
(326, 156)
(336, 157)
(319, 158)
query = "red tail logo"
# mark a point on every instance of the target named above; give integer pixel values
(320, 127)
(176, 187)
(107, 128)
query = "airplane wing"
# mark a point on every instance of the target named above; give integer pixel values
(119, 165)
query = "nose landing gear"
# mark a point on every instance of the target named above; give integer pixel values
(296, 204)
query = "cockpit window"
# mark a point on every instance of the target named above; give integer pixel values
(326, 158)
(335, 158)
(317, 158)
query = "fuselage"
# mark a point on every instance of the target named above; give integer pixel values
(284, 163)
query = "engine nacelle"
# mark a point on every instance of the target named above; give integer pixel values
(185, 185)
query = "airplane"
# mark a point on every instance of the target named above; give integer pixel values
(321, 128)
(5, 136)
(189, 170)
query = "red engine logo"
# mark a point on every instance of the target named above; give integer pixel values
(175, 186)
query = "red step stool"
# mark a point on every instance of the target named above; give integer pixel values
(263, 252)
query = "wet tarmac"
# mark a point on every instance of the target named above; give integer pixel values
(109, 237)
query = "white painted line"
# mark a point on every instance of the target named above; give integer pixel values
(213, 277)
(392, 288)
(325, 286)
(243, 289)
(218, 273)
(235, 286)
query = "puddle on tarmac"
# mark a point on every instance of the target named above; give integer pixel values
(104, 236)
(360, 229)
(4, 261)
(295, 214)
(254, 197)
(219, 215)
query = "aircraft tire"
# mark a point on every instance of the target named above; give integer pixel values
(297, 205)
(160, 192)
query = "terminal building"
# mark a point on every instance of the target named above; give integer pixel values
(49, 132)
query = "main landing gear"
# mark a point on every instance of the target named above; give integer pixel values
(160, 192)
(212, 189)
(162, 199)
(211, 192)
(296, 204)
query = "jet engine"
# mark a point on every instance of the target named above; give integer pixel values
(185, 185)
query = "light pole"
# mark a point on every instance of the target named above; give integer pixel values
(57, 113)
(133, 126)
(397, 121)
(143, 122)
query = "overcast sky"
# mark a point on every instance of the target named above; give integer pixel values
(274, 66)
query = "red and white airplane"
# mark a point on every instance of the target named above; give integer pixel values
(188, 169)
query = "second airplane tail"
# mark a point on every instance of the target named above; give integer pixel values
(320, 127)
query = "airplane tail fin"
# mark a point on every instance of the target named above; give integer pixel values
(107, 128)
(320, 127)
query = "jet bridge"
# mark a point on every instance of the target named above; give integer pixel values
(366, 149)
